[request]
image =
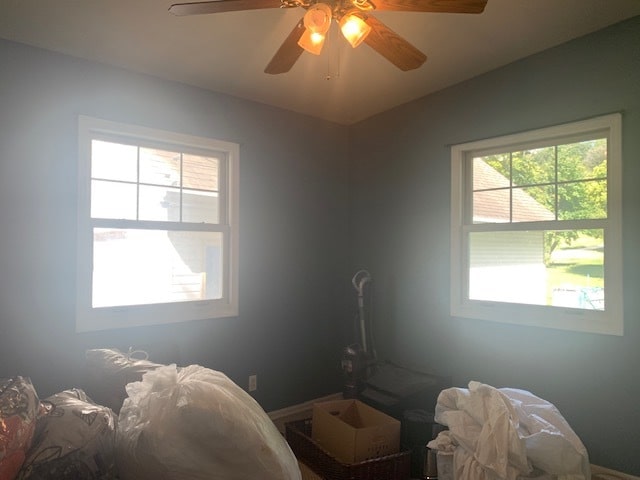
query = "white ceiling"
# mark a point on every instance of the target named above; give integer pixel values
(227, 52)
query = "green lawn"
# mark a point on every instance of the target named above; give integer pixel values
(578, 266)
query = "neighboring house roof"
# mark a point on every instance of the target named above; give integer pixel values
(494, 205)
(198, 172)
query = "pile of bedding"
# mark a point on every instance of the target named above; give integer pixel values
(186, 423)
(19, 410)
(505, 434)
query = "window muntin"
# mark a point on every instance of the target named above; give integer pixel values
(534, 217)
(157, 226)
(561, 182)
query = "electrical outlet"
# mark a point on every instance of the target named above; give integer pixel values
(253, 383)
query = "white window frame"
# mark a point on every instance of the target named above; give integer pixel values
(610, 321)
(92, 319)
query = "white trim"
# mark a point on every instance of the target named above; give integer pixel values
(604, 322)
(92, 319)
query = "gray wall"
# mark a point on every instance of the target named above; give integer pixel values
(294, 286)
(298, 240)
(400, 205)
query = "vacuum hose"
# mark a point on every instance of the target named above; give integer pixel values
(359, 280)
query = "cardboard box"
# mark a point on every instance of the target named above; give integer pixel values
(353, 431)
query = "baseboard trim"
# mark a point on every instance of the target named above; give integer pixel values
(603, 473)
(299, 411)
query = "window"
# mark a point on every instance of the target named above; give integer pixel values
(157, 227)
(536, 228)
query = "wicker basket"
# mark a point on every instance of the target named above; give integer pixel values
(390, 467)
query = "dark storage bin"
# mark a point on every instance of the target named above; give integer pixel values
(390, 467)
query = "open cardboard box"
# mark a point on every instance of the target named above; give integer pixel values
(353, 431)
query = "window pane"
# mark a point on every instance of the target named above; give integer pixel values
(582, 160)
(491, 172)
(136, 267)
(159, 167)
(559, 268)
(582, 200)
(533, 204)
(200, 172)
(159, 203)
(200, 207)
(113, 200)
(491, 206)
(532, 167)
(114, 161)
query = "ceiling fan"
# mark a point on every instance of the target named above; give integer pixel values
(355, 21)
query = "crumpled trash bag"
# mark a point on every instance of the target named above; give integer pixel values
(74, 440)
(109, 371)
(507, 434)
(195, 423)
(19, 410)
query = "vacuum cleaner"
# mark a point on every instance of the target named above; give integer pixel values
(405, 394)
(365, 377)
(357, 358)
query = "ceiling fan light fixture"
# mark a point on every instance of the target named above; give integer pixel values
(318, 18)
(354, 28)
(312, 42)
(316, 21)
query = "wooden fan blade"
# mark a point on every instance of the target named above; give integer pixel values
(437, 6)
(219, 6)
(288, 53)
(392, 46)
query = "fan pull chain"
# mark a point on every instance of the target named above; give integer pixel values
(333, 56)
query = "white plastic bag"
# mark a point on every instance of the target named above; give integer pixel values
(195, 423)
(109, 371)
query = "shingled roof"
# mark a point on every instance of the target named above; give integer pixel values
(493, 206)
